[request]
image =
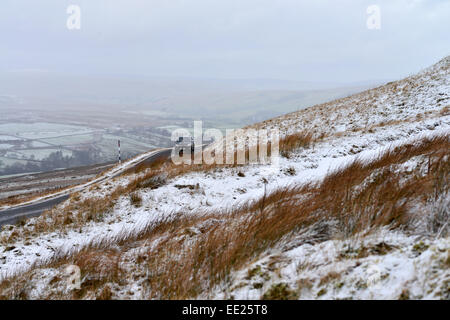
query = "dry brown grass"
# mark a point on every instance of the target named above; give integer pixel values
(295, 141)
(387, 198)
(197, 265)
(98, 264)
(286, 146)
(184, 266)
(156, 165)
(77, 212)
(97, 267)
(136, 199)
(359, 197)
(20, 199)
(362, 106)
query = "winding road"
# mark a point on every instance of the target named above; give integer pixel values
(12, 215)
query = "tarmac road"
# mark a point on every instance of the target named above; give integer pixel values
(18, 213)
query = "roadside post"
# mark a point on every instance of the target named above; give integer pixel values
(118, 143)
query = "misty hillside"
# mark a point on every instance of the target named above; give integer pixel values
(41, 95)
(358, 209)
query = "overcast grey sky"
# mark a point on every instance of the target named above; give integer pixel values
(315, 40)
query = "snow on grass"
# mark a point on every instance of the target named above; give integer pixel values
(385, 265)
(359, 126)
(213, 191)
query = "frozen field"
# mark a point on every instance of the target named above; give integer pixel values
(22, 143)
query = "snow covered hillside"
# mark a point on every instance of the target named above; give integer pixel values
(358, 209)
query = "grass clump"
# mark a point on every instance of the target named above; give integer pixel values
(280, 291)
(295, 141)
(136, 199)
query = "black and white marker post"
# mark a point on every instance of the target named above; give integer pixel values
(120, 160)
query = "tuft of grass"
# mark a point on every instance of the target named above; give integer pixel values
(105, 294)
(98, 268)
(404, 295)
(331, 276)
(280, 291)
(136, 199)
(295, 141)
